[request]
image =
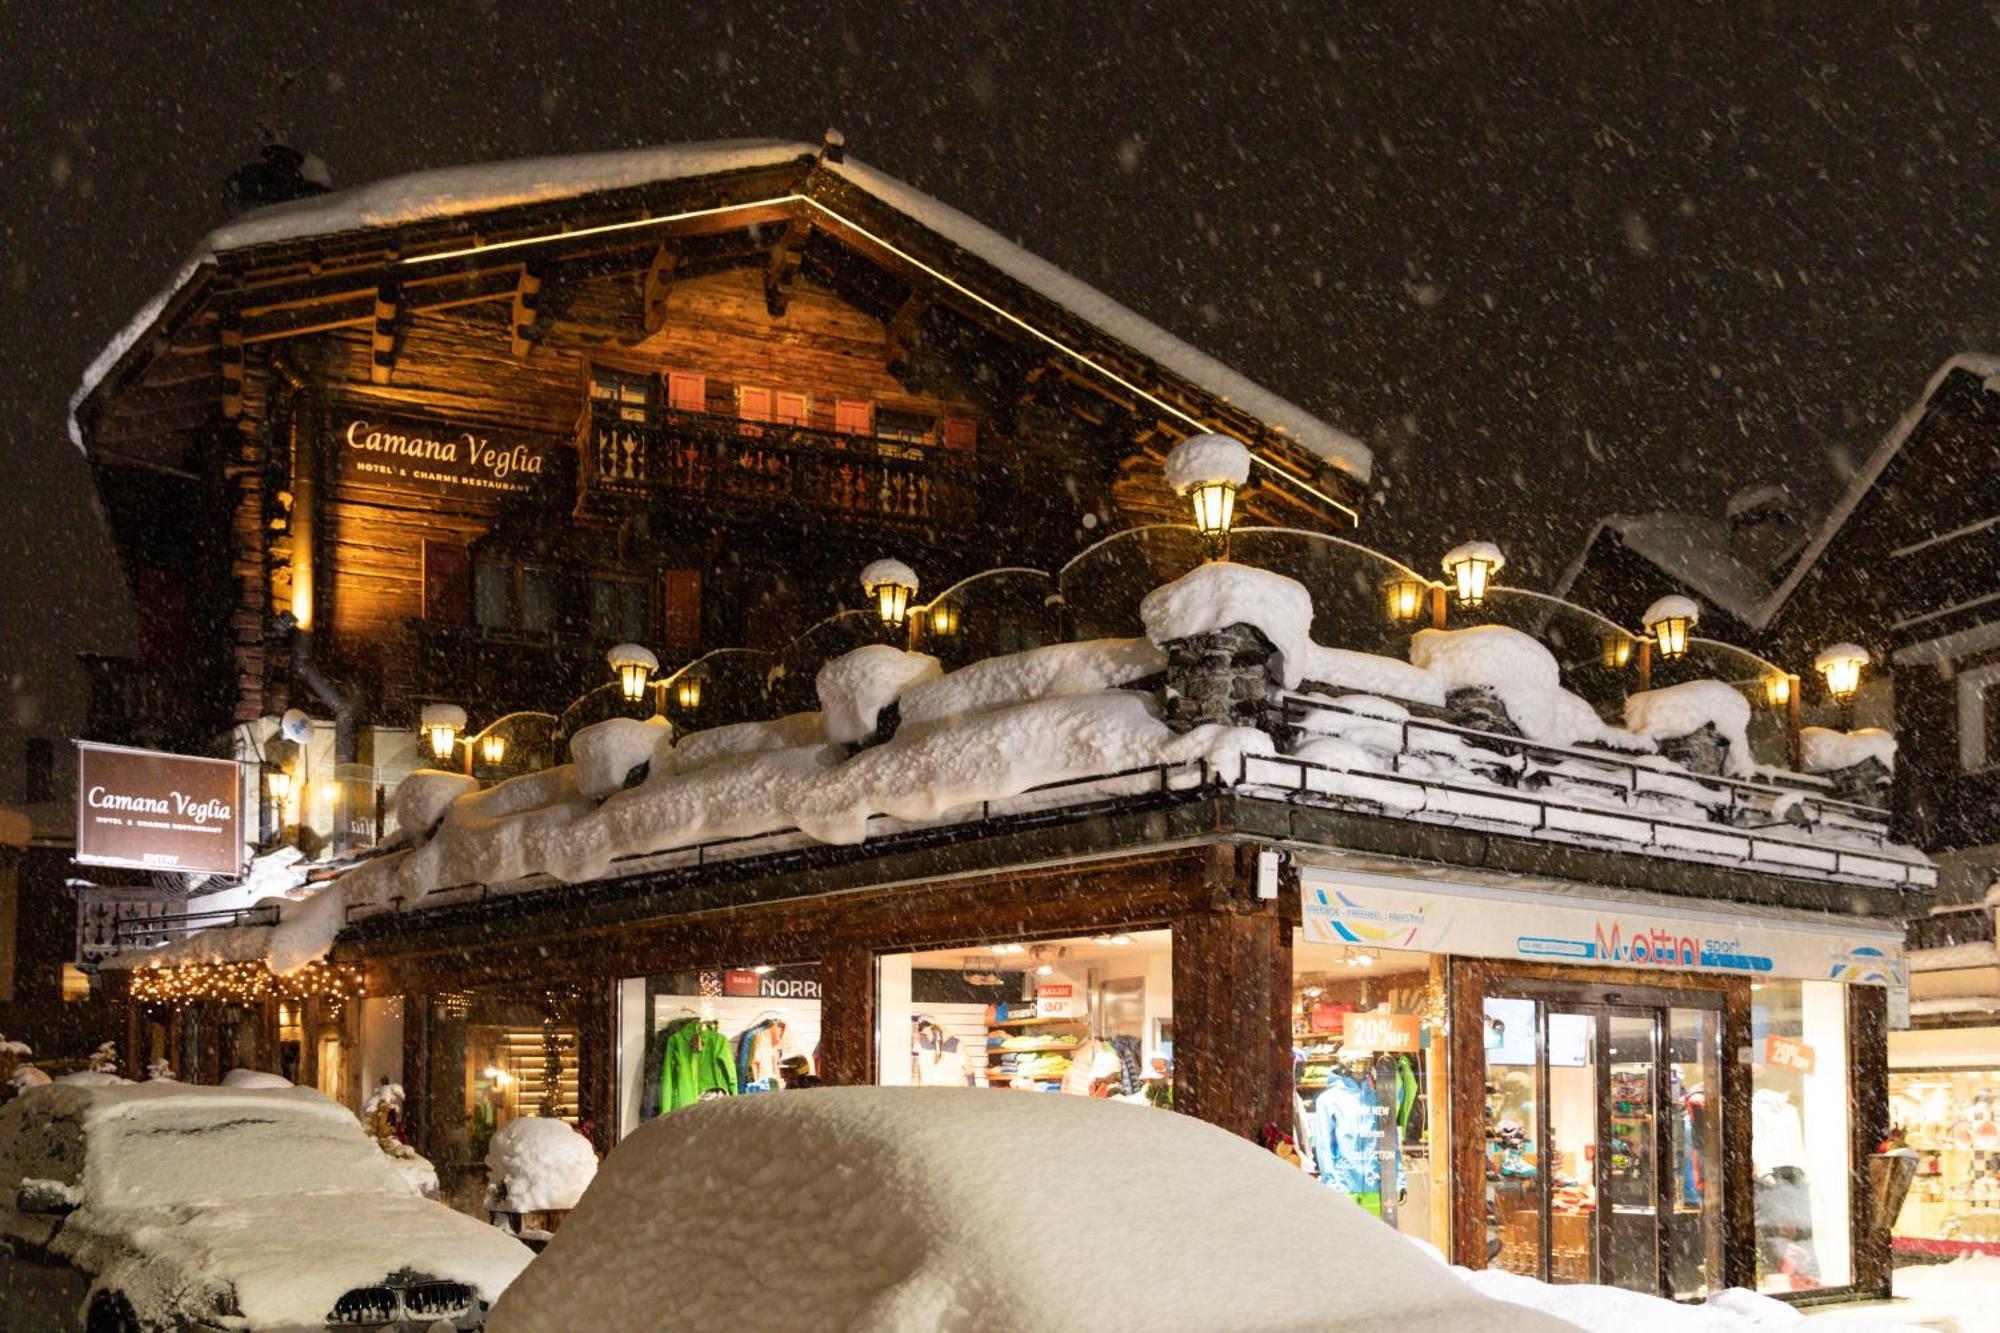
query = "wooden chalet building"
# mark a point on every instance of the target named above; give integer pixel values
(1907, 563)
(445, 442)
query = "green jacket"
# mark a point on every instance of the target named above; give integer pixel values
(696, 1062)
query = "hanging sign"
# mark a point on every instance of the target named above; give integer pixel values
(1375, 911)
(433, 457)
(1056, 999)
(1788, 1053)
(156, 811)
(1391, 1034)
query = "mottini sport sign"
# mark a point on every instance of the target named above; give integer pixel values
(158, 811)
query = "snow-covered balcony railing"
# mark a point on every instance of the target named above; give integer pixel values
(723, 460)
(155, 931)
(1431, 770)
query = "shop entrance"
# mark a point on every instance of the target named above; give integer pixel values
(1604, 1135)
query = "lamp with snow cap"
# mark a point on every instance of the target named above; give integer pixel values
(635, 666)
(1406, 596)
(1471, 566)
(1209, 470)
(890, 584)
(1841, 666)
(442, 723)
(1668, 622)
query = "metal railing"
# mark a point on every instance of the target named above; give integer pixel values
(153, 931)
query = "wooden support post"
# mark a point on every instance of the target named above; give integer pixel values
(659, 282)
(786, 257)
(847, 1025)
(1233, 1019)
(1645, 664)
(416, 1060)
(527, 302)
(1438, 606)
(267, 1037)
(310, 1012)
(1794, 747)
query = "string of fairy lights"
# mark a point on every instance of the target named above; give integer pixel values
(245, 983)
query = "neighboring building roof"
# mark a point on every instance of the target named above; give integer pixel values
(1696, 551)
(456, 191)
(1692, 549)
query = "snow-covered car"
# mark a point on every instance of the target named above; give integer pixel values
(165, 1206)
(961, 1208)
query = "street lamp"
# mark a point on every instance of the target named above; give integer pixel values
(442, 723)
(1471, 565)
(1841, 665)
(1209, 470)
(890, 585)
(1777, 689)
(635, 665)
(278, 781)
(493, 747)
(944, 619)
(687, 692)
(1668, 622)
(1406, 597)
(1617, 651)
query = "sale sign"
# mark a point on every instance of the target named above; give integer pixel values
(1390, 1033)
(1788, 1053)
(1056, 999)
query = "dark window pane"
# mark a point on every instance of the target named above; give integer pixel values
(493, 595)
(538, 600)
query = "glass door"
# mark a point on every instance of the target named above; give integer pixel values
(1630, 1170)
(1575, 1142)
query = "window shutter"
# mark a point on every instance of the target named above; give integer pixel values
(960, 433)
(447, 584)
(687, 392)
(683, 618)
(793, 409)
(854, 418)
(753, 404)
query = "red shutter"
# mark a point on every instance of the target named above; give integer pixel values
(683, 618)
(960, 433)
(854, 418)
(793, 409)
(753, 404)
(687, 392)
(447, 584)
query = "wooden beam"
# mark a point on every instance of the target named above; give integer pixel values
(231, 337)
(659, 281)
(527, 304)
(382, 341)
(783, 266)
(903, 332)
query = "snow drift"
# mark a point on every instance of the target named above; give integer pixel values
(903, 1209)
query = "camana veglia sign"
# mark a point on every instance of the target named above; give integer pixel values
(434, 457)
(156, 811)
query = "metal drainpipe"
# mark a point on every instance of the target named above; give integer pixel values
(304, 523)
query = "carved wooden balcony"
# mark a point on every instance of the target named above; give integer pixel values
(754, 466)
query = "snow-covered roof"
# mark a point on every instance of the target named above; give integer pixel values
(1692, 549)
(447, 192)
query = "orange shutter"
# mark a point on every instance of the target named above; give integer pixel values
(687, 392)
(753, 404)
(793, 409)
(960, 433)
(854, 418)
(683, 618)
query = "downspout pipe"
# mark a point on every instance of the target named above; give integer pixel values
(304, 525)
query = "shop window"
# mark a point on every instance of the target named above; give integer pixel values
(686, 391)
(621, 609)
(791, 409)
(908, 427)
(447, 583)
(1088, 1016)
(683, 610)
(1368, 1065)
(854, 418)
(495, 1057)
(687, 1037)
(628, 394)
(1799, 1135)
(1950, 1118)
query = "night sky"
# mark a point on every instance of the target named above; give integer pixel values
(1549, 264)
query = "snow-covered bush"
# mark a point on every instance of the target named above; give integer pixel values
(1220, 594)
(536, 1165)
